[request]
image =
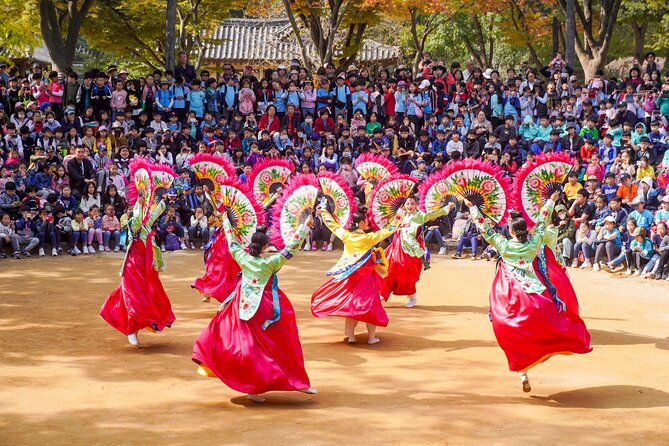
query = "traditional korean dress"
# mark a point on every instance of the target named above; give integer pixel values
(140, 301)
(252, 344)
(221, 270)
(530, 318)
(405, 255)
(354, 289)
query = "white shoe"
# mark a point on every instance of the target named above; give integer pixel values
(183, 245)
(116, 248)
(525, 381)
(586, 265)
(307, 246)
(596, 267)
(255, 398)
(309, 391)
(329, 246)
(442, 251)
(41, 252)
(134, 340)
(629, 272)
(76, 251)
(54, 252)
(84, 249)
(412, 301)
(638, 272)
(162, 248)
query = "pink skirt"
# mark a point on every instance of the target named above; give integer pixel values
(249, 359)
(356, 297)
(140, 301)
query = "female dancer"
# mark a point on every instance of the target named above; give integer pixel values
(140, 301)
(221, 271)
(405, 252)
(353, 290)
(252, 343)
(530, 321)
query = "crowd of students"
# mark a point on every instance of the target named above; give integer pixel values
(66, 143)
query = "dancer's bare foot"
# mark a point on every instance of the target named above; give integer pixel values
(373, 340)
(309, 391)
(134, 340)
(255, 398)
(525, 381)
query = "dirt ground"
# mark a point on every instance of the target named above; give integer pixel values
(437, 377)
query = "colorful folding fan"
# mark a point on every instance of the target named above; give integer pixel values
(244, 214)
(388, 196)
(267, 178)
(211, 171)
(294, 206)
(482, 183)
(535, 182)
(162, 178)
(375, 168)
(338, 197)
(435, 192)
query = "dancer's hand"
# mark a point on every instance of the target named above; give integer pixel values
(450, 206)
(205, 189)
(468, 203)
(555, 196)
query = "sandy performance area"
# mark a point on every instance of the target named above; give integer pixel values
(437, 377)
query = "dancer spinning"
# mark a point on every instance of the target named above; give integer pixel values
(252, 344)
(406, 250)
(530, 320)
(353, 290)
(140, 301)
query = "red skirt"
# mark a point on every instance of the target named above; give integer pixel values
(140, 301)
(356, 297)
(403, 271)
(249, 359)
(528, 327)
(221, 271)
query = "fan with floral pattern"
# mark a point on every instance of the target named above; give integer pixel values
(244, 214)
(338, 197)
(267, 178)
(375, 168)
(293, 208)
(536, 181)
(387, 198)
(211, 171)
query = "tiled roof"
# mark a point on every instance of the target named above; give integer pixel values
(270, 40)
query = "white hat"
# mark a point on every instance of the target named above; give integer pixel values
(281, 67)
(637, 200)
(648, 181)
(352, 68)
(424, 84)
(102, 127)
(610, 219)
(487, 74)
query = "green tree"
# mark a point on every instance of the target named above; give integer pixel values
(18, 35)
(133, 34)
(60, 23)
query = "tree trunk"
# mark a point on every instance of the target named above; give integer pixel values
(170, 34)
(62, 47)
(556, 36)
(639, 30)
(570, 31)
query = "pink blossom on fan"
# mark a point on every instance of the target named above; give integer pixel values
(384, 197)
(247, 218)
(293, 209)
(487, 186)
(534, 183)
(461, 181)
(265, 177)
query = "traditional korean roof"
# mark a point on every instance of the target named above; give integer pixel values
(272, 40)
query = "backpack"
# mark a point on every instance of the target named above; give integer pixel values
(172, 242)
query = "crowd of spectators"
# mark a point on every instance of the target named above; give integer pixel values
(66, 143)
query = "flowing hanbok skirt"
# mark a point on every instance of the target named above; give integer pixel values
(355, 297)
(529, 327)
(140, 301)
(403, 271)
(247, 358)
(221, 271)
